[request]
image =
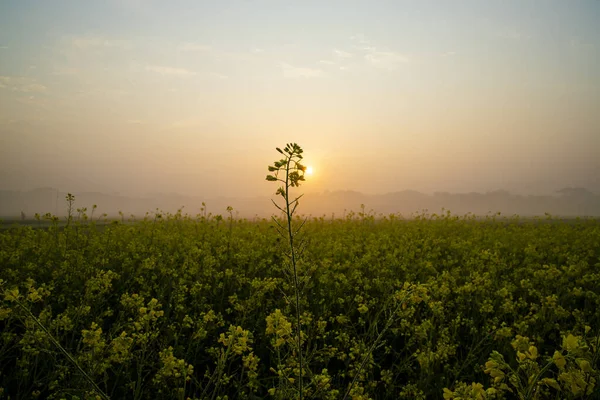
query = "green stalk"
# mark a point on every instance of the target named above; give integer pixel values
(64, 351)
(376, 342)
(295, 270)
(292, 154)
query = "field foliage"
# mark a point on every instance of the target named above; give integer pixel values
(174, 306)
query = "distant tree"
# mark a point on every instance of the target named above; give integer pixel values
(23, 216)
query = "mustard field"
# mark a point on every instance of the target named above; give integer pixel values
(181, 307)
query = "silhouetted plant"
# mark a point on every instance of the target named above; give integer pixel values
(290, 172)
(70, 201)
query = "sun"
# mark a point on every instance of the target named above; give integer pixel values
(309, 170)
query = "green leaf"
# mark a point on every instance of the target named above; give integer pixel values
(584, 365)
(271, 178)
(559, 360)
(570, 342)
(11, 295)
(552, 383)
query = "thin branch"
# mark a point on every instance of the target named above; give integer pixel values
(277, 222)
(297, 198)
(294, 209)
(64, 351)
(375, 343)
(277, 205)
(301, 225)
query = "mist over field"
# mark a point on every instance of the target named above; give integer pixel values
(569, 202)
(136, 99)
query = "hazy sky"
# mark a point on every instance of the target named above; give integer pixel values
(143, 96)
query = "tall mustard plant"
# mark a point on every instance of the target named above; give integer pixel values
(289, 172)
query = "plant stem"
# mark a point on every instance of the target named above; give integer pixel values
(295, 270)
(64, 351)
(375, 343)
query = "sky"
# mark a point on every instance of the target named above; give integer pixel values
(192, 97)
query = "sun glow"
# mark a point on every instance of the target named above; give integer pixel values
(309, 170)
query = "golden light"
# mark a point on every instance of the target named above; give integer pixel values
(309, 170)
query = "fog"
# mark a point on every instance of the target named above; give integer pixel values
(566, 203)
(153, 104)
